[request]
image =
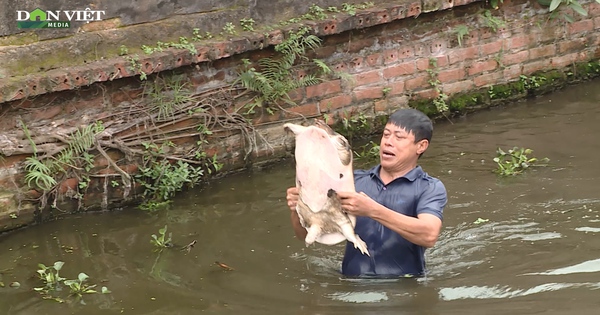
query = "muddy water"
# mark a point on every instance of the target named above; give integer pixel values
(537, 253)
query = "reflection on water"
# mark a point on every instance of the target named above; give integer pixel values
(521, 245)
(587, 266)
(476, 292)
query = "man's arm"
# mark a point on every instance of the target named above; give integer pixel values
(292, 200)
(423, 230)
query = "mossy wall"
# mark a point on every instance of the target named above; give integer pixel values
(396, 54)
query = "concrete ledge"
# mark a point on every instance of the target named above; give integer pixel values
(74, 77)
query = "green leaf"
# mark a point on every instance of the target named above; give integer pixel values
(480, 220)
(82, 277)
(70, 282)
(554, 4)
(105, 290)
(569, 18)
(578, 8)
(58, 265)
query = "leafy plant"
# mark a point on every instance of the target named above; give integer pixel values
(50, 276)
(136, 66)
(354, 125)
(41, 174)
(440, 101)
(52, 281)
(495, 3)
(247, 24)
(554, 7)
(368, 152)
(167, 96)
(79, 287)
(161, 179)
(530, 83)
(183, 43)
(461, 31)
(275, 77)
(385, 91)
(229, 28)
(515, 161)
(491, 21)
(123, 50)
(38, 174)
(162, 240)
(315, 12)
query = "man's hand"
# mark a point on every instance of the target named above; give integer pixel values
(292, 196)
(356, 203)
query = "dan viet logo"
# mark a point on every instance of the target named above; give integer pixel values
(39, 18)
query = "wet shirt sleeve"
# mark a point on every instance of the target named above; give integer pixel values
(433, 199)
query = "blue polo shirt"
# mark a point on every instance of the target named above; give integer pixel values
(391, 254)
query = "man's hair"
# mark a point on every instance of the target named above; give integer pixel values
(413, 121)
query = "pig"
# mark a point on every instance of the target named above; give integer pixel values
(324, 166)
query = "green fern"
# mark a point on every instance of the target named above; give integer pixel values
(276, 76)
(39, 174)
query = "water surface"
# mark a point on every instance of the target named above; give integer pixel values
(523, 245)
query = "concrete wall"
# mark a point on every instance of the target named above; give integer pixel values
(389, 47)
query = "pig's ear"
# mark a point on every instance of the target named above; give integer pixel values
(296, 129)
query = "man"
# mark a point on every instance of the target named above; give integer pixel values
(398, 206)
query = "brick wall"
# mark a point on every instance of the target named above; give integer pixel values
(393, 48)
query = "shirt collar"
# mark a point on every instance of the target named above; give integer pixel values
(411, 175)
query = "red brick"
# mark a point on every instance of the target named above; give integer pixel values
(390, 56)
(68, 184)
(356, 46)
(580, 26)
(491, 48)
(323, 89)
(308, 109)
(535, 66)
(451, 75)
(462, 54)
(381, 106)
(572, 45)
(426, 94)
(511, 59)
(414, 9)
(423, 64)
(47, 113)
(512, 72)
(374, 60)
(399, 70)
(594, 9)
(441, 61)
(564, 61)
(296, 95)
(368, 93)
(335, 103)
(518, 42)
(418, 82)
(457, 87)
(397, 87)
(367, 77)
(541, 52)
(405, 52)
(482, 66)
(437, 47)
(487, 79)
(358, 64)
(484, 33)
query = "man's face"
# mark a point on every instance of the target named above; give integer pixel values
(398, 148)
